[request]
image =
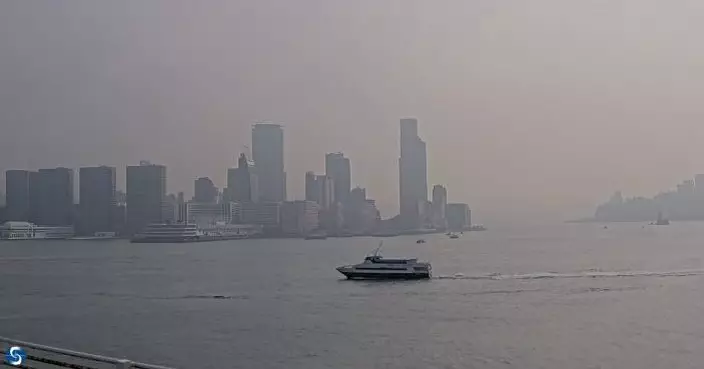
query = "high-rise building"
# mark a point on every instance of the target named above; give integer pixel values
(17, 203)
(146, 196)
(439, 207)
(97, 200)
(459, 217)
(34, 196)
(266, 214)
(170, 211)
(209, 215)
(299, 218)
(361, 215)
(268, 155)
(311, 187)
(242, 182)
(413, 174)
(119, 217)
(337, 167)
(205, 191)
(320, 189)
(55, 197)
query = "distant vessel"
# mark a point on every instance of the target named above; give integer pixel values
(378, 267)
(97, 236)
(661, 220)
(317, 236)
(183, 233)
(385, 234)
(420, 241)
(454, 236)
(16, 231)
(477, 227)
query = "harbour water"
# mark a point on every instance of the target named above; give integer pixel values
(555, 297)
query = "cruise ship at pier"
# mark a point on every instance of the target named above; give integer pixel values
(16, 231)
(187, 232)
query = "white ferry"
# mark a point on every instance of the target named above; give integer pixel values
(97, 236)
(378, 267)
(184, 232)
(15, 231)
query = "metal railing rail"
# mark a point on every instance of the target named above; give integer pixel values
(118, 363)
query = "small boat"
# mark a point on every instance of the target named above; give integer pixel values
(385, 234)
(477, 227)
(454, 236)
(377, 267)
(661, 220)
(97, 236)
(317, 236)
(420, 241)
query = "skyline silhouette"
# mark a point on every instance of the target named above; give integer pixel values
(530, 111)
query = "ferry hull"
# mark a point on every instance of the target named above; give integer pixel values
(188, 240)
(384, 276)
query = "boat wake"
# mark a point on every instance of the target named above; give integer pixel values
(595, 274)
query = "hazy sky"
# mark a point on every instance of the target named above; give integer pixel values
(541, 105)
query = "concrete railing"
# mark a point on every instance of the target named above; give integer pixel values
(45, 357)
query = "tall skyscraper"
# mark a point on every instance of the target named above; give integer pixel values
(320, 189)
(17, 203)
(34, 188)
(413, 174)
(55, 197)
(146, 196)
(97, 200)
(311, 187)
(439, 207)
(337, 167)
(268, 155)
(459, 217)
(361, 215)
(205, 190)
(242, 182)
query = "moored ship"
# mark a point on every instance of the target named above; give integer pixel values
(17, 231)
(184, 233)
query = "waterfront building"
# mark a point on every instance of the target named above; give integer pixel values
(146, 196)
(97, 200)
(299, 218)
(459, 217)
(268, 155)
(439, 207)
(413, 176)
(54, 192)
(205, 191)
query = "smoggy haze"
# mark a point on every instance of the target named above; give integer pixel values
(544, 105)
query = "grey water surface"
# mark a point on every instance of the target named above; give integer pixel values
(555, 297)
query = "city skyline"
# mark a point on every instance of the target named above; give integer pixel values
(336, 165)
(187, 96)
(330, 203)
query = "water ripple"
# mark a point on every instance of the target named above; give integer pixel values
(551, 275)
